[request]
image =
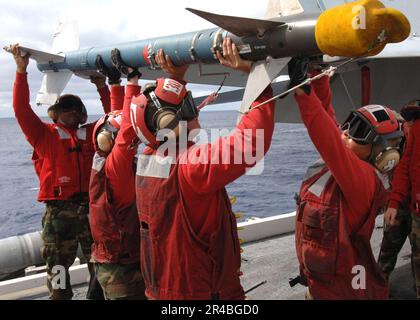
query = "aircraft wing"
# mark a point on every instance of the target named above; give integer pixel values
(408, 49)
(394, 82)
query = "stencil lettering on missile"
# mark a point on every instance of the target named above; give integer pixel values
(283, 8)
(244, 48)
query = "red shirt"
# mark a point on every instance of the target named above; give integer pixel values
(407, 175)
(49, 147)
(201, 182)
(119, 167)
(355, 177)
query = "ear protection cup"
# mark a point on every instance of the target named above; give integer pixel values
(168, 119)
(105, 141)
(387, 160)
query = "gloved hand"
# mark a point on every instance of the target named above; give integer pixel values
(298, 71)
(113, 75)
(123, 67)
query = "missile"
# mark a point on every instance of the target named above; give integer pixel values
(361, 28)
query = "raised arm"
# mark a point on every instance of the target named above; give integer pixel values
(32, 126)
(353, 175)
(119, 164)
(210, 167)
(103, 91)
(323, 91)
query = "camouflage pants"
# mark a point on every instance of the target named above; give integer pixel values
(65, 224)
(394, 239)
(121, 282)
(415, 241)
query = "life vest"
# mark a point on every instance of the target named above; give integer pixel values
(64, 169)
(115, 232)
(336, 262)
(176, 263)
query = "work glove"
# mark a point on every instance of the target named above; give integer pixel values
(119, 64)
(298, 73)
(113, 74)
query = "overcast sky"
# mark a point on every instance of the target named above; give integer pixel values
(100, 22)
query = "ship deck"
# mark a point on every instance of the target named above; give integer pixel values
(274, 260)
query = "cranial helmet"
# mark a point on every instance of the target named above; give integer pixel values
(106, 130)
(162, 105)
(69, 102)
(376, 125)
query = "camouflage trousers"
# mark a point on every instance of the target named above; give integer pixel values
(121, 282)
(65, 224)
(394, 239)
(415, 242)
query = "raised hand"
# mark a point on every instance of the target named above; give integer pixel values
(166, 64)
(231, 57)
(21, 62)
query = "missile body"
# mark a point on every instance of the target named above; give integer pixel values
(332, 33)
(291, 39)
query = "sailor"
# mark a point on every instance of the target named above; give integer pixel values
(395, 236)
(189, 242)
(113, 213)
(406, 186)
(341, 195)
(63, 155)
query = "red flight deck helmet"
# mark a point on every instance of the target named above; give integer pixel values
(162, 105)
(106, 130)
(376, 125)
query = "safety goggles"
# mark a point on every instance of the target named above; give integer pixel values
(359, 129)
(188, 110)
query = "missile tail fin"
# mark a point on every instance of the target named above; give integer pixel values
(53, 84)
(262, 74)
(236, 25)
(65, 38)
(38, 56)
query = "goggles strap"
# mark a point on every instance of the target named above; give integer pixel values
(155, 100)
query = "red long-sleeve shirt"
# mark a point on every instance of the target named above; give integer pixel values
(200, 181)
(32, 126)
(356, 178)
(116, 98)
(119, 167)
(407, 175)
(43, 138)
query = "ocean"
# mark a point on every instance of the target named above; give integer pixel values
(270, 193)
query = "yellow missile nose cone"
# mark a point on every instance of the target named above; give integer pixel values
(360, 28)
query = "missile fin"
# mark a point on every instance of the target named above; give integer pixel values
(262, 74)
(39, 56)
(236, 25)
(53, 84)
